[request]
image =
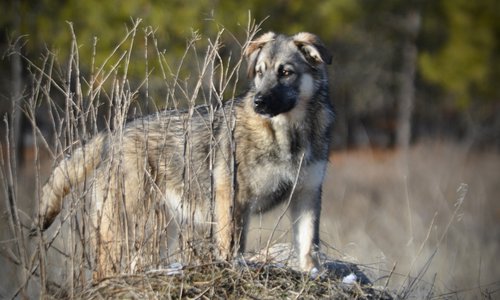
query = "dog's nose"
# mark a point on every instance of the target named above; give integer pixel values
(258, 100)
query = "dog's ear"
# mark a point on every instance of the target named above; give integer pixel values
(253, 49)
(312, 48)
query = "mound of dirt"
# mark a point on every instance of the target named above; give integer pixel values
(269, 274)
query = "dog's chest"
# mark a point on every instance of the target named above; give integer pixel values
(274, 184)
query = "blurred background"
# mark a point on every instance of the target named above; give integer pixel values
(414, 181)
(403, 70)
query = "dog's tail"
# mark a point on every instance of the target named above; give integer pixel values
(70, 172)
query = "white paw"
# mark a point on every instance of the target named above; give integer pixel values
(350, 279)
(314, 273)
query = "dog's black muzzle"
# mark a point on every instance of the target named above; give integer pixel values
(274, 102)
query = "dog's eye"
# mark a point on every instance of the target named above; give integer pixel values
(286, 73)
(259, 72)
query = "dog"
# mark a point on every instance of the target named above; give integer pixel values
(265, 147)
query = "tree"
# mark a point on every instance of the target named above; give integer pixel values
(376, 66)
(406, 96)
(460, 58)
(461, 62)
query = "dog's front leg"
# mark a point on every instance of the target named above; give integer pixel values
(305, 211)
(224, 227)
(231, 220)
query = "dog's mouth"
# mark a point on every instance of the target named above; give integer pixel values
(264, 112)
(270, 106)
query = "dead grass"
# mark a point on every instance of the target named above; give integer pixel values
(433, 216)
(223, 281)
(397, 229)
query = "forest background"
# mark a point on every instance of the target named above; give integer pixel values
(403, 70)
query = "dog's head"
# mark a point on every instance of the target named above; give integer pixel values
(284, 70)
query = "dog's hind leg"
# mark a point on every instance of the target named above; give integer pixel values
(120, 212)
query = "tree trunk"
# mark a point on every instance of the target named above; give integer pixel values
(406, 95)
(16, 96)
